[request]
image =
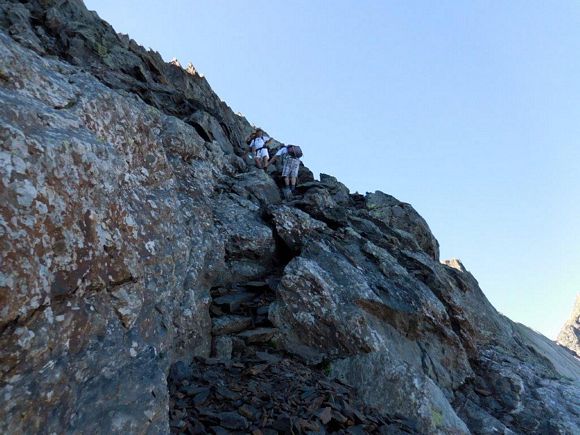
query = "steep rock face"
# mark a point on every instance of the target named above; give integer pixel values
(111, 237)
(569, 335)
(124, 200)
(97, 249)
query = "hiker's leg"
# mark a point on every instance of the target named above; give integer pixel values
(294, 172)
(287, 181)
(264, 156)
(258, 162)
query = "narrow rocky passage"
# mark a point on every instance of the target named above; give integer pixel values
(250, 385)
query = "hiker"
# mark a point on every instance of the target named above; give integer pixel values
(258, 141)
(291, 155)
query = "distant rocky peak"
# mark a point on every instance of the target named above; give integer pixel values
(569, 335)
(455, 263)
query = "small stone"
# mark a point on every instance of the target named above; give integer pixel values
(218, 430)
(324, 414)
(227, 393)
(255, 284)
(482, 391)
(283, 424)
(232, 420)
(256, 369)
(263, 310)
(230, 324)
(223, 347)
(356, 430)
(339, 417)
(248, 411)
(201, 397)
(268, 357)
(232, 302)
(260, 335)
(180, 371)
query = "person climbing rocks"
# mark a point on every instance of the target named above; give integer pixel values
(258, 141)
(291, 155)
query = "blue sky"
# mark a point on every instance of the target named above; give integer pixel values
(470, 111)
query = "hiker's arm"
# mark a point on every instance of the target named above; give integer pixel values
(272, 160)
(250, 138)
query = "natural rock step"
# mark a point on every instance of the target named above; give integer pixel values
(258, 336)
(256, 285)
(263, 310)
(230, 324)
(232, 302)
(219, 291)
(223, 346)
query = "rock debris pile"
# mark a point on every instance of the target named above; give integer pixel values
(252, 386)
(268, 394)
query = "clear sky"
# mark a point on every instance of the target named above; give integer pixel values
(468, 110)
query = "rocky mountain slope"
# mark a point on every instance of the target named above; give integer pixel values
(136, 237)
(569, 335)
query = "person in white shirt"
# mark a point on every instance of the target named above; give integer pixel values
(291, 166)
(258, 144)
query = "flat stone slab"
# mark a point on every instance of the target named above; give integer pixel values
(263, 310)
(229, 324)
(232, 302)
(269, 357)
(255, 284)
(223, 347)
(259, 335)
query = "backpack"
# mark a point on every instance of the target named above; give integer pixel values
(294, 151)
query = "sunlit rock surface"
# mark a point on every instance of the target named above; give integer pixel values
(569, 335)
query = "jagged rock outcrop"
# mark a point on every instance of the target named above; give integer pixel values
(126, 208)
(569, 335)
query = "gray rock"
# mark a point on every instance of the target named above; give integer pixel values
(259, 335)
(402, 217)
(569, 335)
(230, 324)
(339, 191)
(248, 242)
(232, 302)
(259, 187)
(233, 420)
(294, 226)
(223, 347)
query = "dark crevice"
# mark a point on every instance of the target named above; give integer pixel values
(122, 281)
(201, 131)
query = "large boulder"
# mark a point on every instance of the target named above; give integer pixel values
(248, 243)
(349, 301)
(294, 226)
(402, 217)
